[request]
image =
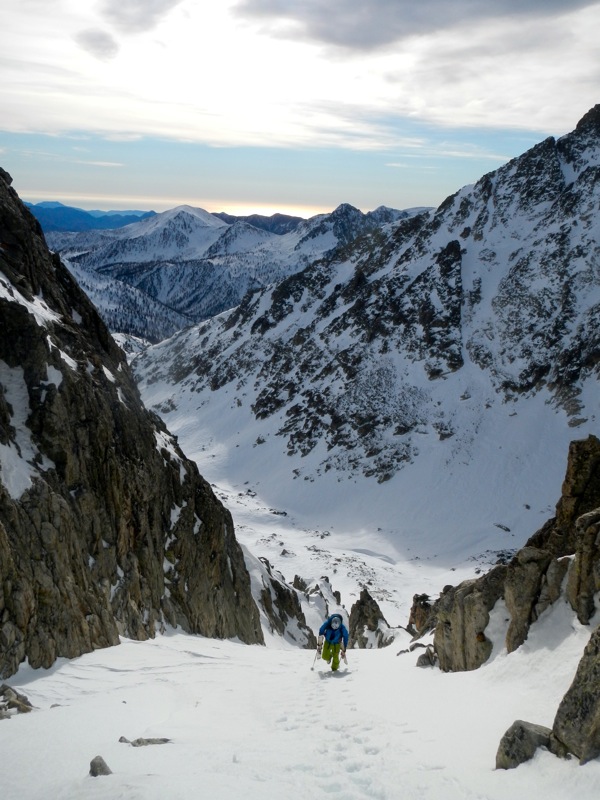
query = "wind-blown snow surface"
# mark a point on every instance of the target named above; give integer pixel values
(255, 722)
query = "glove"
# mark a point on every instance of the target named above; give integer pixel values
(343, 655)
(319, 644)
(319, 648)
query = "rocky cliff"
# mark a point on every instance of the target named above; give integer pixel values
(561, 559)
(106, 529)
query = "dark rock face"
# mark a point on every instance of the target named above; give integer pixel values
(368, 627)
(105, 527)
(463, 613)
(520, 742)
(580, 494)
(522, 587)
(421, 619)
(577, 721)
(584, 575)
(281, 604)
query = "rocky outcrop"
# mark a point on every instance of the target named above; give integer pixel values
(520, 743)
(577, 721)
(421, 618)
(584, 575)
(99, 767)
(106, 529)
(281, 605)
(145, 742)
(580, 494)
(463, 613)
(533, 582)
(568, 546)
(13, 702)
(368, 627)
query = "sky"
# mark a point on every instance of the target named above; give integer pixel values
(271, 105)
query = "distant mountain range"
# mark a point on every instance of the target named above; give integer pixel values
(192, 265)
(276, 223)
(54, 216)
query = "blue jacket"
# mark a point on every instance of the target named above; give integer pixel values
(334, 635)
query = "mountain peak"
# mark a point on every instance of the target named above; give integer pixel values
(590, 121)
(198, 213)
(345, 208)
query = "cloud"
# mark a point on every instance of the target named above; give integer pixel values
(135, 16)
(97, 43)
(369, 24)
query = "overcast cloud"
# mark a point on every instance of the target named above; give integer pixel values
(134, 16)
(368, 24)
(443, 90)
(97, 43)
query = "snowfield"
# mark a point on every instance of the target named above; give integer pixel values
(258, 722)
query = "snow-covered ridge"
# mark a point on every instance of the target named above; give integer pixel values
(198, 265)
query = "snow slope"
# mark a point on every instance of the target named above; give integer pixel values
(259, 723)
(489, 487)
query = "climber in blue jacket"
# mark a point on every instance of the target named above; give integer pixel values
(333, 640)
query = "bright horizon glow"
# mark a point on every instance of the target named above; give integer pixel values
(88, 202)
(254, 104)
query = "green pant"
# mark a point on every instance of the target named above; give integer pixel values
(331, 652)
